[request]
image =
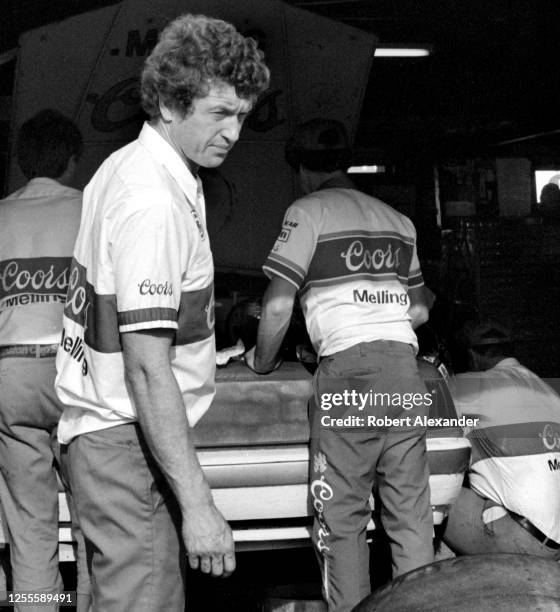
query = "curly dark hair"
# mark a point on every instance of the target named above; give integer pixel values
(45, 144)
(192, 53)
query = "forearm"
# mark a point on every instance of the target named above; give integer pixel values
(272, 329)
(278, 303)
(162, 417)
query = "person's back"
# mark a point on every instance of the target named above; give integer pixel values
(356, 285)
(38, 227)
(353, 260)
(515, 444)
(514, 474)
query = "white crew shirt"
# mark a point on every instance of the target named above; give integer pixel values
(142, 261)
(38, 227)
(353, 259)
(515, 458)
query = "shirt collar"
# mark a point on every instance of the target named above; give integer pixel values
(508, 362)
(43, 186)
(338, 182)
(166, 155)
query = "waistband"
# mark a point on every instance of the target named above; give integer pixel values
(534, 531)
(28, 350)
(363, 348)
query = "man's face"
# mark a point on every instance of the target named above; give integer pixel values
(206, 135)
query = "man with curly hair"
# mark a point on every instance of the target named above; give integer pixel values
(137, 360)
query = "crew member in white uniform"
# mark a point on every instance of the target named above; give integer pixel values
(513, 503)
(353, 260)
(137, 360)
(38, 227)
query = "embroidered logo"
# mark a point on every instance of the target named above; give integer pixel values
(319, 463)
(198, 222)
(284, 235)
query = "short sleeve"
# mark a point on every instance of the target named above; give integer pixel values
(294, 248)
(415, 278)
(147, 249)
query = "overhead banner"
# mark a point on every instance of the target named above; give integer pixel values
(88, 67)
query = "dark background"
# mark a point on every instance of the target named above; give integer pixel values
(494, 74)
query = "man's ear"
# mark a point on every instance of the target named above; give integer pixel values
(305, 179)
(67, 176)
(167, 114)
(71, 167)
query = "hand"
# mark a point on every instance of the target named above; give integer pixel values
(249, 358)
(209, 541)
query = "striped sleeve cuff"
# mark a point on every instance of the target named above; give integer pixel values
(147, 318)
(415, 279)
(148, 325)
(284, 268)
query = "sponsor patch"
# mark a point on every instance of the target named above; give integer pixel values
(147, 287)
(198, 223)
(284, 235)
(288, 223)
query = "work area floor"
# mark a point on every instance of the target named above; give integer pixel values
(261, 577)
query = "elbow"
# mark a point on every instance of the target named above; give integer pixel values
(419, 314)
(279, 308)
(423, 315)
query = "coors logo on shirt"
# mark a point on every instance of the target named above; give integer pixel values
(149, 287)
(33, 280)
(342, 255)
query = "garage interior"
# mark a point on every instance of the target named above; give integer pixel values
(460, 140)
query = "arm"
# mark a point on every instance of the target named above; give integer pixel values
(278, 303)
(418, 309)
(162, 417)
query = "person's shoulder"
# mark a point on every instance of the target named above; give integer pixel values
(318, 202)
(388, 216)
(399, 221)
(70, 193)
(129, 165)
(308, 205)
(387, 210)
(12, 197)
(467, 383)
(131, 177)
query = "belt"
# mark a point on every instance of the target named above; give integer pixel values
(28, 350)
(537, 533)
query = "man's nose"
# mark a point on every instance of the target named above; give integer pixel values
(232, 129)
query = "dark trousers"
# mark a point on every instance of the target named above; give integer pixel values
(346, 463)
(131, 523)
(476, 526)
(29, 453)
